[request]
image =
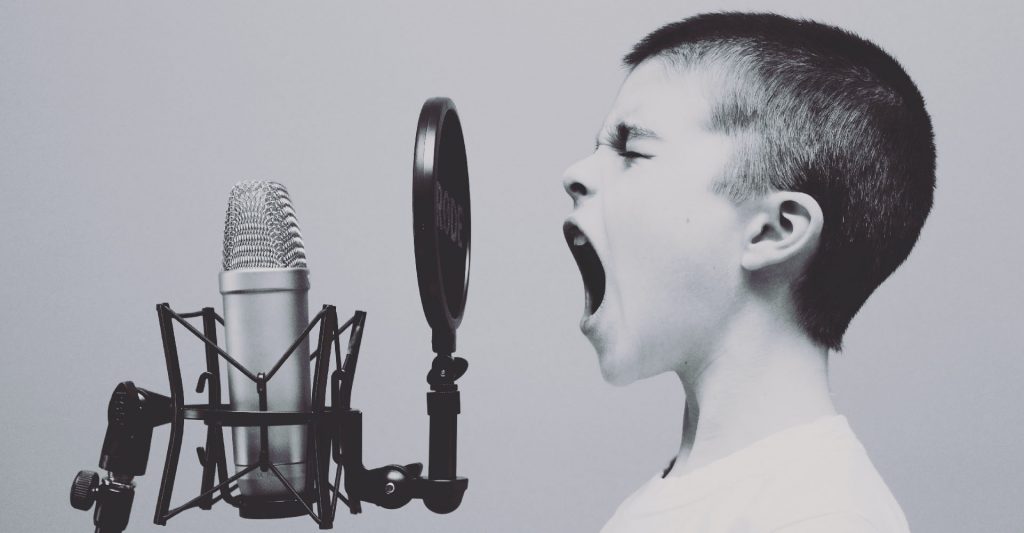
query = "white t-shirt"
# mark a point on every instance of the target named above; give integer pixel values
(813, 478)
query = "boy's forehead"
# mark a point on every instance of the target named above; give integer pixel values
(662, 98)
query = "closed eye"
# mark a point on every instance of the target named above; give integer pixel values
(619, 138)
(630, 155)
(622, 151)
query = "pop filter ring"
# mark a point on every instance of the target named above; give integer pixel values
(441, 219)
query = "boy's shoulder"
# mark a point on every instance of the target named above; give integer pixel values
(828, 484)
(815, 477)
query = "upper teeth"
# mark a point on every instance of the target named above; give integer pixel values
(579, 240)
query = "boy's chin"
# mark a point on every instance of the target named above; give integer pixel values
(620, 359)
(618, 369)
(617, 379)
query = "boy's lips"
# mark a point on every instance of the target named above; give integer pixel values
(589, 264)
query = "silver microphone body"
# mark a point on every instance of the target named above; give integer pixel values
(265, 310)
(265, 286)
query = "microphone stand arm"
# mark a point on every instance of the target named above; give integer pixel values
(443, 407)
(132, 414)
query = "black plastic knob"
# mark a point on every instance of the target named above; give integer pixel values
(83, 490)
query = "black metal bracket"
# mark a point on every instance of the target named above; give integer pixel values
(216, 417)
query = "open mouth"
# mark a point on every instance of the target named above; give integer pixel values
(589, 264)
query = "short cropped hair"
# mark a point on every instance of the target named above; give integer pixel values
(819, 110)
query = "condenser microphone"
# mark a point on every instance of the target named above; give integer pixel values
(265, 284)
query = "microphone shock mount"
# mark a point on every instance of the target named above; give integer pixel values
(334, 435)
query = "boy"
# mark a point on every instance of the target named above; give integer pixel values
(756, 179)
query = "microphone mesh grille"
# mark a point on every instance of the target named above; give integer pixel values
(260, 229)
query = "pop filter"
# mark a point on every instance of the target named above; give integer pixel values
(440, 216)
(441, 219)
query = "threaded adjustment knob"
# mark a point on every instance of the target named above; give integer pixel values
(83, 490)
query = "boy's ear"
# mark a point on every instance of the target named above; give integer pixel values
(786, 225)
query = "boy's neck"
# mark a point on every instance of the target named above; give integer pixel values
(765, 376)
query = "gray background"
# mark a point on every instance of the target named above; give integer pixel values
(123, 126)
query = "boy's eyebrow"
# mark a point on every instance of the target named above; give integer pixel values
(618, 136)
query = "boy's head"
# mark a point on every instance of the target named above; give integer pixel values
(748, 157)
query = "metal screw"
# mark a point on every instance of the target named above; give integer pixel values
(389, 488)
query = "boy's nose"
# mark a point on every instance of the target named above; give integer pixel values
(576, 183)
